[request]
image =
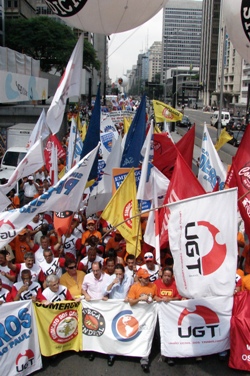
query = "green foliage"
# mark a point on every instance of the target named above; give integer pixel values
(46, 40)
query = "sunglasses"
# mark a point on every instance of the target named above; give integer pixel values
(148, 258)
(72, 267)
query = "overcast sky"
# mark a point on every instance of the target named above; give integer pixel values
(125, 47)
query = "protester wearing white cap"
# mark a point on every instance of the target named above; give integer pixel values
(30, 188)
(151, 267)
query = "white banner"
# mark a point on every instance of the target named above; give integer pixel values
(195, 327)
(19, 87)
(114, 327)
(203, 241)
(4, 201)
(19, 346)
(65, 195)
(33, 160)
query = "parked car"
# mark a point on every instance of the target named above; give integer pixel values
(185, 122)
(225, 118)
(235, 123)
(237, 137)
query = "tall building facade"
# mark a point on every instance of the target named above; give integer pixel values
(20, 8)
(209, 48)
(181, 39)
(155, 52)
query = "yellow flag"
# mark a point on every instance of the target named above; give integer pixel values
(122, 206)
(165, 112)
(62, 173)
(59, 326)
(126, 124)
(223, 139)
(83, 131)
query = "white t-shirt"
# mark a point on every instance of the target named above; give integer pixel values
(154, 274)
(51, 268)
(55, 296)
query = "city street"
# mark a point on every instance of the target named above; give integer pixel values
(75, 364)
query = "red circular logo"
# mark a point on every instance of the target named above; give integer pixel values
(64, 326)
(127, 213)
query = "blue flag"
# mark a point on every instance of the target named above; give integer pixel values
(135, 138)
(93, 134)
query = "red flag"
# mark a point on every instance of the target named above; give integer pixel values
(47, 150)
(165, 152)
(62, 221)
(240, 332)
(183, 184)
(186, 146)
(239, 176)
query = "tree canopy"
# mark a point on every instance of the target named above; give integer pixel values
(47, 40)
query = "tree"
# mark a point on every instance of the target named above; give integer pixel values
(46, 40)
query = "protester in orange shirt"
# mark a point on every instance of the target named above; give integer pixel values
(90, 231)
(14, 199)
(21, 244)
(118, 243)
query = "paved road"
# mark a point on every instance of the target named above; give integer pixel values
(75, 364)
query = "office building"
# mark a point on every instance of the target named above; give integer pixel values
(181, 34)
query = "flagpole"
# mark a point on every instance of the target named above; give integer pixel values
(138, 230)
(134, 216)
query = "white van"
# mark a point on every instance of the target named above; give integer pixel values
(225, 118)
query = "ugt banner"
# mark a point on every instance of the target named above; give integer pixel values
(195, 327)
(114, 327)
(203, 241)
(19, 346)
(58, 326)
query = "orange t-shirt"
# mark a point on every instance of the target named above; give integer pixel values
(15, 201)
(87, 234)
(246, 283)
(120, 247)
(19, 248)
(136, 290)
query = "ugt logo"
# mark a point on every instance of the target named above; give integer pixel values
(210, 321)
(209, 263)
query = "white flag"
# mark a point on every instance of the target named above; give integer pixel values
(4, 201)
(107, 125)
(156, 191)
(65, 195)
(211, 169)
(70, 85)
(54, 165)
(32, 161)
(41, 130)
(203, 241)
(74, 147)
(101, 193)
(147, 152)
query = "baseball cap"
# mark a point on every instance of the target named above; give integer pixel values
(30, 177)
(23, 232)
(148, 256)
(142, 273)
(90, 220)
